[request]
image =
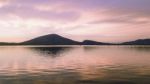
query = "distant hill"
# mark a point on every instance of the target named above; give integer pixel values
(51, 39)
(90, 42)
(138, 42)
(5, 43)
(54, 39)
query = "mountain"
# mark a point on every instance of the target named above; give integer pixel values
(54, 39)
(138, 42)
(5, 43)
(51, 39)
(90, 42)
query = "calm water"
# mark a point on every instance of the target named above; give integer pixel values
(75, 65)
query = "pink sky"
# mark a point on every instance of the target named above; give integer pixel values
(100, 20)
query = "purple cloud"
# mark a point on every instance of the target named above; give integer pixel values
(80, 16)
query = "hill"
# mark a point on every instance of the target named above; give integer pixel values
(54, 39)
(90, 42)
(138, 42)
(51, 39)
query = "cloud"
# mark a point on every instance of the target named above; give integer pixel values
(123, 19)
(29, 12)
(105, 19)
(3, 3)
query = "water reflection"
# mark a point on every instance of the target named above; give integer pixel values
(75, 65)
(51, 51)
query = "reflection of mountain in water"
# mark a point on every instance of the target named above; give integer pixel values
(89, 48)
(140, 48)
(75, 65)
(51, 51)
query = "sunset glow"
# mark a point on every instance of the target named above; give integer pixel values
(100, 20)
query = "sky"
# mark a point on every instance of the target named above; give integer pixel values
(99, 20)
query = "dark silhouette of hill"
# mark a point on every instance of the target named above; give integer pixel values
(51, 39)
(138, 42)
(5, 43)
(90, 42)
(54, 39)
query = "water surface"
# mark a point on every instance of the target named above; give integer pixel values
(74, 65)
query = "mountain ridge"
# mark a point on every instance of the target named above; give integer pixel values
(51, 39)
(55, 39)
(138, 42)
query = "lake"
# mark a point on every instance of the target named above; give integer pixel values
(75, 65)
